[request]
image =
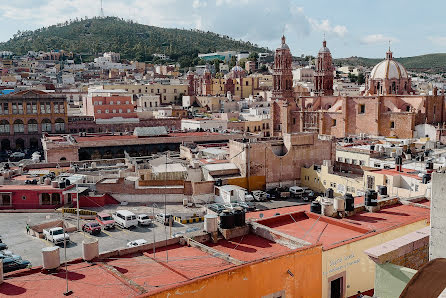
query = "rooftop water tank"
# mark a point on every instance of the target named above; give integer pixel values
(227, 220)
(47, 181)
(327, 208)
(371, 198)
(315, 207)
(239, 217)
(51, 257)
(339, 204)
(210, 223)
(349, 202)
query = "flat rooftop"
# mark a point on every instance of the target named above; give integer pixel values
(331, 232)
(139, 273)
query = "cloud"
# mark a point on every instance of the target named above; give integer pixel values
(326, 27)
(377, 39)
(438, 40)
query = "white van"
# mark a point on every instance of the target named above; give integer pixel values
(296, 191)
(125, 219)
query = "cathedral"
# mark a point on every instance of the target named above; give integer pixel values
(389, 107)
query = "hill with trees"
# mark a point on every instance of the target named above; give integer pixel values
(132, 40)
(431, 63)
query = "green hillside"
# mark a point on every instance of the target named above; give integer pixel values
(433, 63)
(132, 40)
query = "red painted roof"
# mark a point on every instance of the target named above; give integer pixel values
(331, 232)
(249, 248)
(404, 172)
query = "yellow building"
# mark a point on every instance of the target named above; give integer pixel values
(324, 177)
(168, 94)
(242, 87)
(356, 181)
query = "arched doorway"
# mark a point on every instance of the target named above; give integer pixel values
(33, 143)
(19, 144)
(84, 155)
(63, 159)
(6, 144)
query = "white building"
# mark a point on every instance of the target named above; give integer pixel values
(213, 125)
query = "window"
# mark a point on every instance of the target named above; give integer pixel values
(46, 125)
(111, 102)
(120, 110)
(4, 127)
(56, 108)
(46, 199)
(99, 111)
(128, 110)
(361, 162)
(164, 90)
(334, 122)
(347, 160)
(48, 108)
(392, 124)
(55, 199)
(59, 125)
(32, 126)
(5, 200)
(106, 111)
(118, 102)
(354, 161)
(14, 108)
(362, 109)
(340, 159)
(127, 102)
(114, 111)
(18, 126)
(174, 90)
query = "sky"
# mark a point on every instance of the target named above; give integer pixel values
(351, 27)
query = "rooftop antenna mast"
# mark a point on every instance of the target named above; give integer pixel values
(102, 10)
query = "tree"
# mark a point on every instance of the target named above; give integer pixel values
(361, 78)
(232, 62)
(253, 56)
(216, 63)
(242, 62)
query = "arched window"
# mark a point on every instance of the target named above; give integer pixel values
(46, 125)
(32, 126)
(46, 199)
(18, 126)
(4, 127)
(60, 125)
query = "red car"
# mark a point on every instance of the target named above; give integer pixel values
(105, 220)
(92, 228)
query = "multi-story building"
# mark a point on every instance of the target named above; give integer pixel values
(109, 104)
(167, 94)
(27, 114)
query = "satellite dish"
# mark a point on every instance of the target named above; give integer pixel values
(261, 215)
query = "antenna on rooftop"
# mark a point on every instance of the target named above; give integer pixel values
(102, 11)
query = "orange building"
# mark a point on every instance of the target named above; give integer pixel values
(108, 104)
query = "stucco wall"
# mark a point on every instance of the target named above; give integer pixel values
(391, 279)
(260, 279)
(358, 267)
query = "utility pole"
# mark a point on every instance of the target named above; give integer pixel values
(77, 209)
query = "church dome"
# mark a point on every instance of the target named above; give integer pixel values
(324, 48)
(388, 69)
(237, 68)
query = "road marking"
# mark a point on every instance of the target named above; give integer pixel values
(106, 232)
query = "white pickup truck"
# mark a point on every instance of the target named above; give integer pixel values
(56, 235)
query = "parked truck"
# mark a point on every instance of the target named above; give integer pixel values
(56, 235)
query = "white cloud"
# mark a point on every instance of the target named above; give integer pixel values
(377, 39)
(199, 4)
(438, 40)
(326, 27)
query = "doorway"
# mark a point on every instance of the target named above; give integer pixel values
(336, 288)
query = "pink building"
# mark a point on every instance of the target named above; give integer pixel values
(108, 104)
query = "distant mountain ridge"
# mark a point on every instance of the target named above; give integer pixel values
(130, 39)
(432, 63)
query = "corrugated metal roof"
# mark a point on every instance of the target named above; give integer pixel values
(150, 131)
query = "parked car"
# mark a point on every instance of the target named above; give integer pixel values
(92, 228)
(259, 195)
(3, 245)
(278, 193)
(231, 206)
(248, 206)
(296, 191)
(125, 219)
(8, 254)
(216, 207)
(10, 264)
(17, 155)
(144, 220)
(56, 235)
(105, 220)
(137, 242)
(165, 219)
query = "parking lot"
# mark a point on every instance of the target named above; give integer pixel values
(13, 229)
